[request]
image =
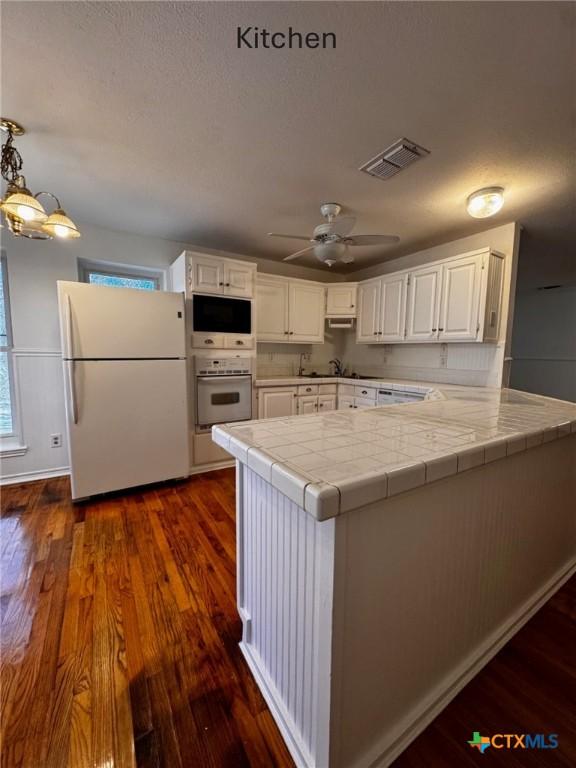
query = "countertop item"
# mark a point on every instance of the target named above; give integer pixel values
(335, 462)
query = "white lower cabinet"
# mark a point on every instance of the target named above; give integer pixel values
(307, 404)
(275, 402)
(326, 403)
(345, 402)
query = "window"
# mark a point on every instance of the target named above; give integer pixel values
(6, 390)
(120, 276)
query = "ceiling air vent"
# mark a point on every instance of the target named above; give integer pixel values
(393, 159)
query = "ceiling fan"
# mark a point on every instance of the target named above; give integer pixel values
(330, 240)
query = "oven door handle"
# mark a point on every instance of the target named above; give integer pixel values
(224, 378)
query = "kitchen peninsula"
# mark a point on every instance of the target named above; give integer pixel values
(386, 554)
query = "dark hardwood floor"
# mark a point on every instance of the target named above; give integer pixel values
(119, 641)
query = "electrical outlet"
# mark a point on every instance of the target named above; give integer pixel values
(56, 440)
(444, 356)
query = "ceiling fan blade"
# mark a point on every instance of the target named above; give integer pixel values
(298, 253)
(293, 237)
(372, 240)
(343, 225)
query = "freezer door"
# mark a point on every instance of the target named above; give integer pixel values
(98, 322)
(128, 423)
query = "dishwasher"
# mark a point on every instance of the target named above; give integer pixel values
(396, 396)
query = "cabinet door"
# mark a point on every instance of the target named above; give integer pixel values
(207, 274)
(238, 280)
(423, 300)
(306, 313)
(307, 404)
(459, 306)
(345, 402)
(276, 402)
(341, 300)
(326, 403)
(271, 310)
(368, 312)
(393, 308)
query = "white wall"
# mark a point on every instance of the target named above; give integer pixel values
(544, 342)
(33, 269)
(474, 364)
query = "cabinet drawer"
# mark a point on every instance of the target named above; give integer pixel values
(208, 340)
(239, 342)
(346, 389)
(327, 389)
(308, 389)
(365, 393)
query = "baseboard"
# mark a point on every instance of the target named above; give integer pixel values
(200, 468)
(276, 707)
(418, 720)
(28, 477)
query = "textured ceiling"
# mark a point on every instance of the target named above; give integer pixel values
(145, 117)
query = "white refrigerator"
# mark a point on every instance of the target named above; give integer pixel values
(125, 382)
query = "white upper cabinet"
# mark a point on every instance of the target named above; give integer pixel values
(341, 299)
(206, 274)
(238, 279)
(289, 310)
(460, 301)
(422, 304)
(227, 277)
(368, 311)
(306, 312)
(271, 309)
(392, 308)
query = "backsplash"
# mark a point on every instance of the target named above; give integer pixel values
(284, 359)
(473, 364)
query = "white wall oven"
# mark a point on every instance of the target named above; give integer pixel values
(223, 390)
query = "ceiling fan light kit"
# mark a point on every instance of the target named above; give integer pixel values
(331, 239)
(24, 213)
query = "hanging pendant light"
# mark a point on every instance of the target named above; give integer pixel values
(24, 213)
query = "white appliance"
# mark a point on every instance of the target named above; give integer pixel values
(396, 396)
(223, 390)
(125, 386)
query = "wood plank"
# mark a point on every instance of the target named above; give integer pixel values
(120, 644)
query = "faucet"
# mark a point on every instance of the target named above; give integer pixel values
(301, 366)
(338, 367)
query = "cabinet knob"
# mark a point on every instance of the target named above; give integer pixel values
(286, 333)
(320, 405)
(308, 389)
(208, 341)
(440, 329)
(364, 391)
(291, 333)
(220, 283)
(351, 306)
(239, 342)
(434, 330)
(227, 285)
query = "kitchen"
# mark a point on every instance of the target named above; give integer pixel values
(287, 391)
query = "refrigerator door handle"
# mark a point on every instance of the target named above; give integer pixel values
(71, 373)
(69, 351)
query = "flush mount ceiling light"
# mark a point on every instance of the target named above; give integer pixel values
(24, 213)
(485, 202)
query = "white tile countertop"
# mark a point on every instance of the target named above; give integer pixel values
(338, 461)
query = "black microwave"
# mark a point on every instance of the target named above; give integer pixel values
(220, 314)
